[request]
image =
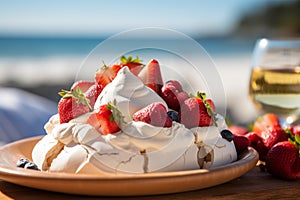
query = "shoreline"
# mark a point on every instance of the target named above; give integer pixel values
(46, 77)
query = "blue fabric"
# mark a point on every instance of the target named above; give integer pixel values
(23, 114)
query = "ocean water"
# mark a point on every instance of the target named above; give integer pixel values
(33, 61)
(21, 59)
(48, 47)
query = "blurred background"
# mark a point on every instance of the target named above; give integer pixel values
(43, 43)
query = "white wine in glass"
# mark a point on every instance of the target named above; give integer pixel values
(275, 78)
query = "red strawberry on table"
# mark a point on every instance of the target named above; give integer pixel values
(238, 130)
(72, 104)
(197, 111)
(109, 118)
(154, 114)
(295, 130)
(173, 94)
(283, 160)
(266, 139)
(257, 143)
(272, 136)
(241, 143)
(267, 132)
(151, 76)
(265, 121)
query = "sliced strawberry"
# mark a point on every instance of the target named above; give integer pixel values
(109, 119)
(154, 114)
(106, 74)
(151, 76)
(93, 120)
(82, 84)
(72, 104)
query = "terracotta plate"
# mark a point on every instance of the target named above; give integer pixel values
(116, 185)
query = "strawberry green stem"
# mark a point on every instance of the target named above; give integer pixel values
(78, 95)
(210, 112)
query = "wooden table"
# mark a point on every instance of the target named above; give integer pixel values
(253, 185)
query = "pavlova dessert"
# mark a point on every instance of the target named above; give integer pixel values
(129, 121)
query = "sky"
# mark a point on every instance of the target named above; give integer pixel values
(94, 17)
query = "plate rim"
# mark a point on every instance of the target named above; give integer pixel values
(10, 174)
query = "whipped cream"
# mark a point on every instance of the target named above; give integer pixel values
(77, 147)
(129, 92)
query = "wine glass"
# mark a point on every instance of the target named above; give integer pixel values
(275, 78)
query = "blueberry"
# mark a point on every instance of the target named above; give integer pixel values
(173, 115)
(227, 134)
(31, 165)
(26, 164)
(22, 162)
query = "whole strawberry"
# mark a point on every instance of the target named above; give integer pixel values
(92, 93)
(267, 132)
(82, 84)
(154, 114)
(173, 94)
(151, 76)
(257, 143)
(241, 143)
(283, 160)
(295, 131)
(265, 121)
(238, 130)
(197, 111)
(272, 136)
(107, 73)
(72, 104)
(134, 65)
